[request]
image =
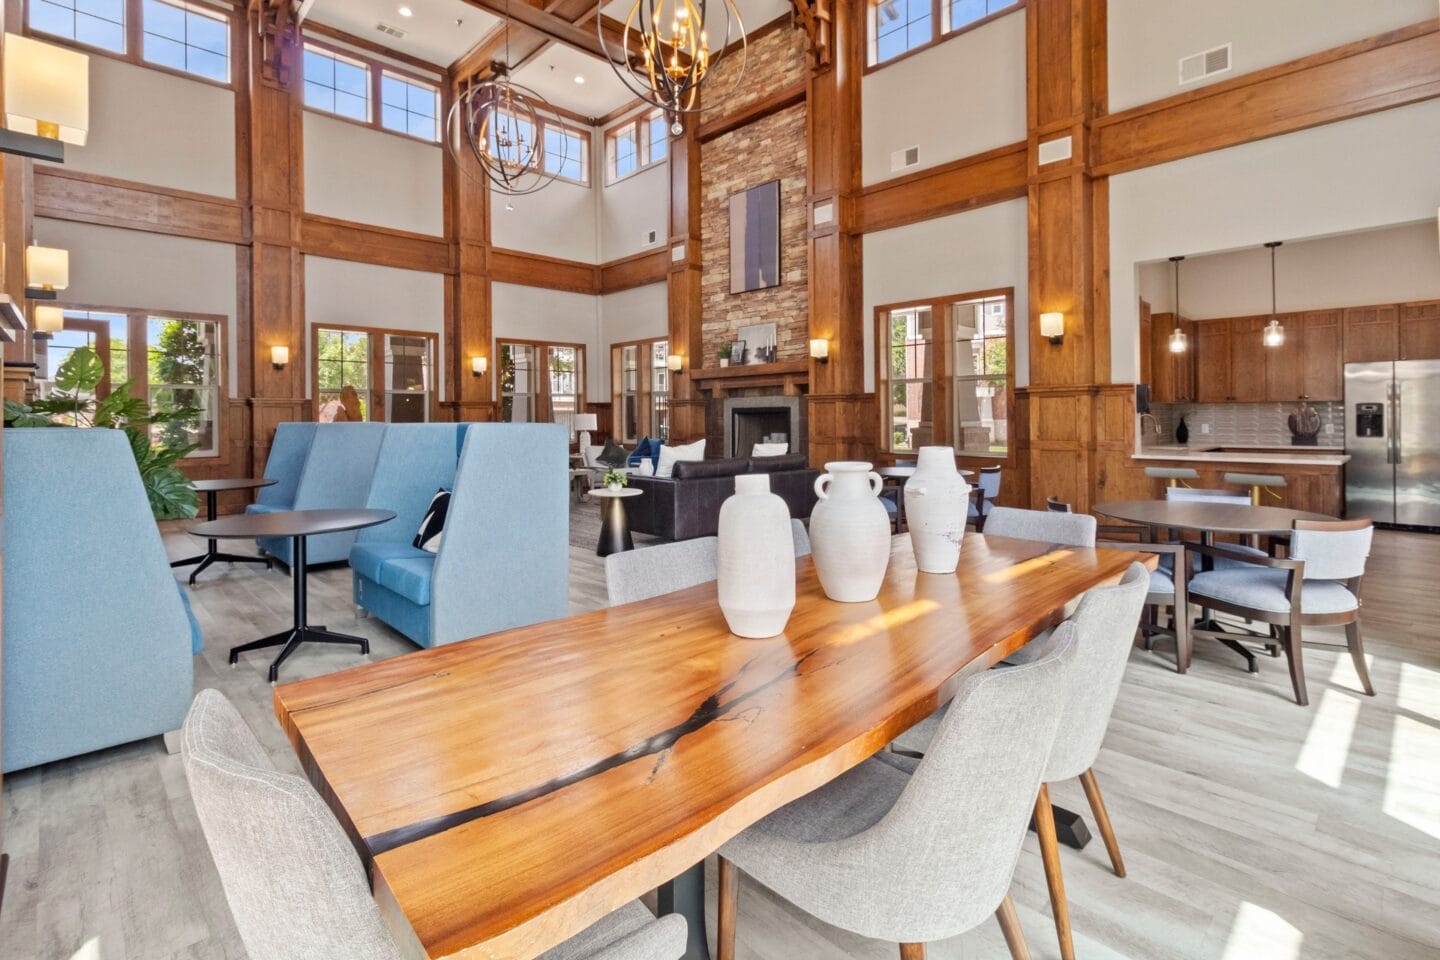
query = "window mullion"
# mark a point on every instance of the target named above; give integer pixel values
(134, 31)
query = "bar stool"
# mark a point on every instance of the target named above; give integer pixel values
(1174, 475)
(1257, 482)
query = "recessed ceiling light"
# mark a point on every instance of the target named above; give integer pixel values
(406, 12)
(579, 79)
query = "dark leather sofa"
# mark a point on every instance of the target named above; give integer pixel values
(687, 505)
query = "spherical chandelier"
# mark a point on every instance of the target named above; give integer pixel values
(500, 124)
(666, 52)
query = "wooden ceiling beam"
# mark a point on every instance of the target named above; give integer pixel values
(547, 24)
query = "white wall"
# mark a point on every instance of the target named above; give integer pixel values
(357, 173)
(1391, 265)
(365, 295)
(630, 209)
(958, 98)
(977, 250)
(1148, 37)
(1372, 171)
(111, 267)
(558, 221)
(531, 313)
(157, 128)
(636, 314)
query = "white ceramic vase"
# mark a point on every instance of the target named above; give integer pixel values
(755, 559)
(850, 532)
(937, 500)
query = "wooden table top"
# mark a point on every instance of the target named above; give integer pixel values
(1206, 517)
(510, 790)
(289, 523)
(233, 483)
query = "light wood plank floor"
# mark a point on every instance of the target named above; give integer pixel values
(1253, 829)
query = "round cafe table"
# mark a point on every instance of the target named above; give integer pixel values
(211, 489)
(297, 525)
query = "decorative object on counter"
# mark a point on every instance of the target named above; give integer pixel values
(937, 500)
(725, 351)
(850, 532)
(737, 353)
(759, 340)
(1305, 426)
(755, 559)
(615, 479)
(1179, 342)
(1274, 335)
(1182, 432)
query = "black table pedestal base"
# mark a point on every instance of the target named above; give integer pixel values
(614, 529)
(685, 895)
(212, 554)
(1070, 828)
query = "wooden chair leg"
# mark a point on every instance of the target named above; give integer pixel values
(1295, 655)
(725, 910)
(912, 951)
(1357, 654)
(1102, 820)
(1010, 926)
(1054, 879)
(1184, 643)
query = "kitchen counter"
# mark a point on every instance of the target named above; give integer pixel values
(1253, 453)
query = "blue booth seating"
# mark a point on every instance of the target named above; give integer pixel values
(318, 467)
(504, 556)
(97, 642)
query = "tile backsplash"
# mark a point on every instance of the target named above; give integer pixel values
(1242, 424)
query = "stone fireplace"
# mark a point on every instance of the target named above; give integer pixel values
(765, 419)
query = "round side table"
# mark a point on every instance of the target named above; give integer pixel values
(614, 528)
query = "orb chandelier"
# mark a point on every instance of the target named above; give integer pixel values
(500, 124)
(666, 52)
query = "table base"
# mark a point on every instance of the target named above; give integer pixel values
(1070, 828)
(212, 554)
(614, 529)
(685, 895)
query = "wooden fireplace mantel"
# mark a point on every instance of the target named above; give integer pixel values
(769, 372)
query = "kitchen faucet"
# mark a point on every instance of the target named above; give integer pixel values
(1153, 420)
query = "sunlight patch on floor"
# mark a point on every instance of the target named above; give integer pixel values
(1343, 674)
(1327, 744)
(90, 951)
(1412, 778)
(1258, 932)
(1419, 691)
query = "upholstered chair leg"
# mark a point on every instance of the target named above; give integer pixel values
(1102, 820)
(912, 951)
(725, 910)
(1357, 654)
(1010, 926)
(1295, 654)
(1050, 856)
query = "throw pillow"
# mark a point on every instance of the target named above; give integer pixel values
(612, 456)
(770, 450)
(641, 452)
(669, 456)
(432, 527)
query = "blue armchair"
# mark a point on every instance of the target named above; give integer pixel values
(98, 643)
(331, 471)
(504, 557)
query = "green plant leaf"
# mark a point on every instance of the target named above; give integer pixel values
(172, 495)
(120, 408)
(81, 372)
(22, 415)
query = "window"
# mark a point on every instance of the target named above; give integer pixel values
(407, 378)
(391, 371)
(899, 26)
(945, 375)
(565, 152)
(342, 359)
(105, 333)
(541, 382)
(563, 368)
(183, 365)
(637, 143)
(640, 389)
(188, 38)
(660, 390)
(518, 383)
(337, 84)
(409, 107)
(627, 391)
(94, 23)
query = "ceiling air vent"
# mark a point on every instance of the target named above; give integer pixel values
(1208, 63)
(390, 31)
(901, 159)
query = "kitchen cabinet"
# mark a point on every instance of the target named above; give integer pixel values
(1322, 372)
(1247, 360)
(1212, 361)
(1372, 333)
(1420, 331)
(1172, 375)
(1284, 365)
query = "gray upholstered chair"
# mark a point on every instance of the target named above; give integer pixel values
(1067, 529)
(1318, 584)
(1167, 591)
(988, 485)
(664, 568)
(294, 883)
(1056, 505)
(918, 856)
(1104, 627)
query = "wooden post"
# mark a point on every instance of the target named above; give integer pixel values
(687, 404)
(469, 323)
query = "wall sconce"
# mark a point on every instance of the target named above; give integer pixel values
(820, 351)
(48, 322)
(675, 363)
(279, 357)
(47, 269)
(47, 99)
(1052, 327)
(478, 366)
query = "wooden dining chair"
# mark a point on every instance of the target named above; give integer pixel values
(988, 484)
(915, 857)
(293, 880)
(1167, 594)
(1317, 584)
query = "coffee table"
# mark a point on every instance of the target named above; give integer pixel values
(211, 489)
(614, 527)
(297, 525)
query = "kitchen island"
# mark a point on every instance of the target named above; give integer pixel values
(1314, 476)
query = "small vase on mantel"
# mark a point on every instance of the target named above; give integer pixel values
(755, 559)
(850, 532)
(937, 500)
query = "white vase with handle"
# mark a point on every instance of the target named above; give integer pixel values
(937, 500)
(755, 559)
(850, 532)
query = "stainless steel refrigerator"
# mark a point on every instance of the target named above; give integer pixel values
(1392, 433)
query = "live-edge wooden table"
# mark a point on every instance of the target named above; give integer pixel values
(508, 791)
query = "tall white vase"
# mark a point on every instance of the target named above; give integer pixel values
(850, 532)
(937, 500)
(755, 559)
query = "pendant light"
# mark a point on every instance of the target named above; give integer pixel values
(1274, 335)
(1179, 342)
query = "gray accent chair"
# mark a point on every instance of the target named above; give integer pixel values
(292, 878)
(1064, 529)
(635, 575)
(987, 490)
(1104, 627)
(922, 855)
